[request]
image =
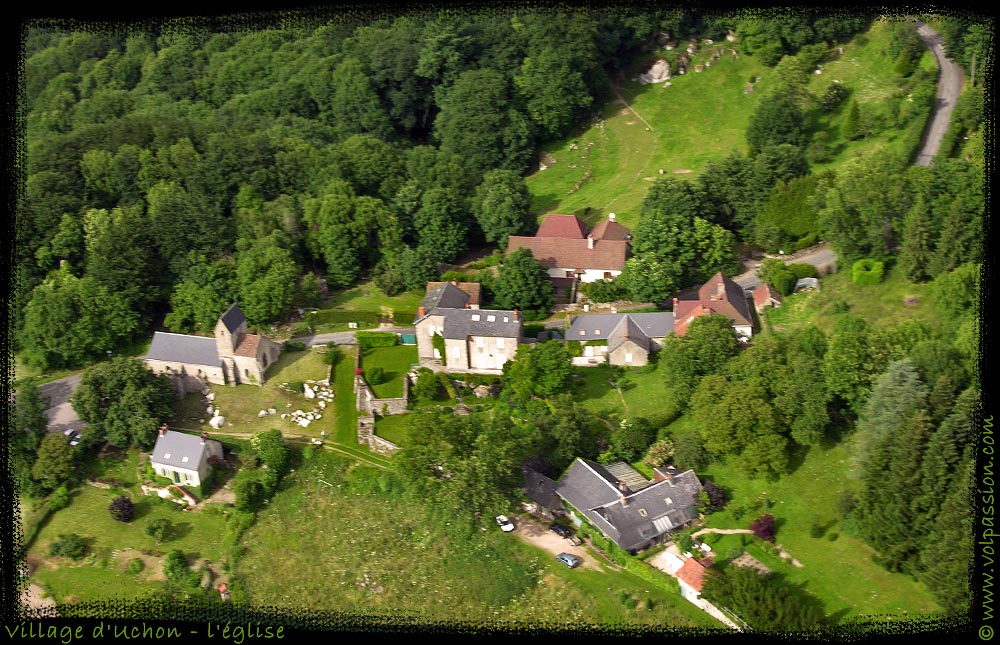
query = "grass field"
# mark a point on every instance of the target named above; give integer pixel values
(368, 297)
(392, 428)
(330, 538)
(640, 394)
(609, 166)
(840, 572)
(395, 363)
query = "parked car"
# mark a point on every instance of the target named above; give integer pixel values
(561, 530)
(569, 560)
(74, 436)
(505, 524)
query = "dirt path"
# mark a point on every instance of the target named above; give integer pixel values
(36, 605)
(722, 531)
(537, 534)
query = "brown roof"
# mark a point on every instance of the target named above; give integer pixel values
(473, 289)
(765, 292)
(248, 346)
(562, 226)
(720, 295)
(608, 230)
(692, 574)
(552, 252)
(685, 311)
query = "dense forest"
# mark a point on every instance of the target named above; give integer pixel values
(173, 170)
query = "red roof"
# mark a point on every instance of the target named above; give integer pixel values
(692, 574)
(248, 346)
(765, 292)
(608, 230)
(562, 226)
(719, 295)
(570, 254)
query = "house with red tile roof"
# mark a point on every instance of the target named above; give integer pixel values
(720, 295)
(691, 577)
(765, 296)
(563, 246)
(233, 356)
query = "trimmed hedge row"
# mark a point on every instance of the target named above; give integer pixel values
(369, 339)
(448, 386)
(866, 272)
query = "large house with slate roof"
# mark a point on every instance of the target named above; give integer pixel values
(628, 509)
(475, 340)
(233, 356)
(622, 339)
(184, 458)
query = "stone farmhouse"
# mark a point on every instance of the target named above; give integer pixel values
(571, 255)
(233, 356)
(628, 509)
(474, 340)
(182, 457)
(623, 339)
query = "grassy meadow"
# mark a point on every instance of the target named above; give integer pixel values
(395, 362)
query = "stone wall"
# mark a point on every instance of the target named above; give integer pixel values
(368, 405)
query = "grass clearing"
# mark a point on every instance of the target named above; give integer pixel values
(392, 428)
(641, 391)
(840, 572)
(368, 297)
(355, 543)
(395, 362)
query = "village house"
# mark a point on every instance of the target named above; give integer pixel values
(720, 295)
(571, 255)
(233, 356)
(765, 296)
(184, 458)
(621, 339)
(473, 339)
(633, 512)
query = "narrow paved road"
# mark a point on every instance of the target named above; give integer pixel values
(346, 337)
(60, 413)
(949, 87)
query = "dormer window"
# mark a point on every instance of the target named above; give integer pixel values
(475, 317)
(184, 460)
(668, 501)
(642, 512)
(583, 332)
(491, 318)
(506, 319)
(597, 332)
(166, 456)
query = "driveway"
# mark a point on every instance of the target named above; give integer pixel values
(347, 337)
(60, 413)
(538, 534)
(822, 257)
(949, 87)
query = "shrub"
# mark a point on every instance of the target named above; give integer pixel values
(427, 385)
(802, 270)
(816, 529)
(448, 386)
(122, 509)
(866, 272)
(763, 527)
(176, 569)
(294, 346)
(531, 330)
(659, 453)
(805, 242)
(784, 281)
(712, 498)
(69, 545)
(159, 529)
(375, 376)
(832, 536)
(59, 499)
(135, 566)
(437, 342)
(733, 553)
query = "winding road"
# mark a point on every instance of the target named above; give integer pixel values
(949, 87)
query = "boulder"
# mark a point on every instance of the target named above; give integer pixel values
(217, 422)
(262, 414)
(308, 392)
(210, 396)
(272, 411)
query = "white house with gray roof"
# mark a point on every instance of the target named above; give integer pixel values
(628, 509)
(621, 339)
(184, 458)
(232, 356)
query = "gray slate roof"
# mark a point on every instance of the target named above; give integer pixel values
(657, 324)
(462, 323)
(652, 511)
(627, 326)
(178, 449)
(181, 348)
(233, 318)
(539, 488)
(445, 296)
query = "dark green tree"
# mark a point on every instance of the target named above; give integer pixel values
(522, 283)
(501, 206)
(266, 275)
(54, 461)
(537, 371)
(777, 120)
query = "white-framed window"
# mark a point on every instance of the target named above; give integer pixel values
(475, 317)
(668, 500)
(597, 332)
(480, 341)
(491, 318)
(506, 319)
(499, 343)
(628, 357)
(583, 332)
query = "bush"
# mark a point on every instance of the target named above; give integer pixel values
(135, 566)
(816, 529)
(531, 331)
(866, 272)
(122, 509)
(176, 569)
(763, 527)
(427, 385)
(59, 499)
(784, 282)
(159, 529)
(804, 243)
(375, 376)
(294, 346)
(369, 339)
(448, 386)
(803, 270)
(69, 545)
(832, 536)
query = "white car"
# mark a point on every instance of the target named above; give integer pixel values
(505, 525)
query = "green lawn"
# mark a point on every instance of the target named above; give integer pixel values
(241, 404)
(641, 391)
(840, 572)
(100, 575)
(347, 530)
(395, 363)
(368, 297)
(392, 428)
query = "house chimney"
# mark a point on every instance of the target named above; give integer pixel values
(421, 312)
(590, 242)
(515, 314)
(611, 216)
(468, 306)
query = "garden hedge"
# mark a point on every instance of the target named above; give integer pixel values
(867, 271)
